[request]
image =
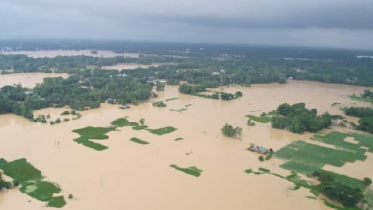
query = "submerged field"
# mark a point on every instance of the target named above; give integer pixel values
(126, 172)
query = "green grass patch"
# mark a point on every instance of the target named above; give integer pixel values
(337, 139)
(139, 141)
(259, 119)
(32, 182)
(171, 99)
(179, 139)
(139, 127)
(57, 202)
(89, 133)
(194, 171)
(305, 158)
(124, 122)
(359, 98)
(20, 170)
(162, 131)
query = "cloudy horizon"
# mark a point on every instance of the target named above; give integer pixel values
(309, 23)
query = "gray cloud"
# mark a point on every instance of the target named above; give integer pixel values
(286, 22)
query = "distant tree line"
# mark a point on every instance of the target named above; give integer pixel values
(366, 115)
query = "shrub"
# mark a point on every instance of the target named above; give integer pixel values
(367, 181)
(261, 158)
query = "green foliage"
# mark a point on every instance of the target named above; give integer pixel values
(139, 141)
(22, 172)
(162, 131)
(171, 99)
(366, 113)
(305, 158)
(261, 119)
(367, 181)
(361, 98)
(179, 139)
(70, 196)
(57, 202)
(139, 127)
(261, 158)
(194, 171)
(230, 131)
(123, 122)
(335, 190)
(159, 104)
(97, 133)
(298, 119)
(65, 113)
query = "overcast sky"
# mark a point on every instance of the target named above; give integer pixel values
(318, 23)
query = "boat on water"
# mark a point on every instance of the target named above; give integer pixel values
(258, 149)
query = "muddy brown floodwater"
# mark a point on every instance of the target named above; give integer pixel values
(27, 79)
(127, 66)
(138, 177)
(54, 53)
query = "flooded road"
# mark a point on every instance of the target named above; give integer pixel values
(138, 177)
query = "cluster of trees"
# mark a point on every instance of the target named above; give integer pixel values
(78, 92)
(337, 191)
(159, 104)
(367, 94)
(298, 119)
(366, 115)
(230, 131)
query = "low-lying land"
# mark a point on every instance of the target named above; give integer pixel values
(194, 171)
(32, 182)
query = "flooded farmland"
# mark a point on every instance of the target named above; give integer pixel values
(138, 177)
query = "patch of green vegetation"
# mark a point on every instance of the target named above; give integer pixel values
(179, 139)
(57, 202)
(337, 139)
(305, 158)
(330, 205)
(139, 141)
(139, 127)
(162, 131)
(41, 190)
(89, 133)
(124, 122)
(188, 105)
(32, 182)
(194, 171)
(249, 171)
(171, 99)
(335, 104)
(359, 98)
(311, 197)
(263, 119)
(264, 170)
(20, 170)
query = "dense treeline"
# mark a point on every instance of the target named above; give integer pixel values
(78, 92)
(366, 113)
(337, 191)
(297, 119)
